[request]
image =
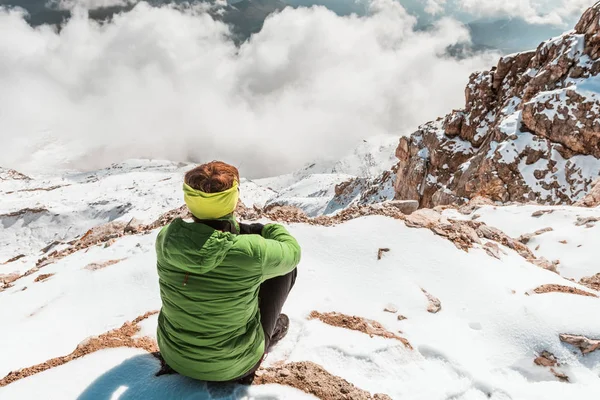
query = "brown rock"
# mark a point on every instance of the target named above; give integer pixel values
(423, 218)
(593, 282)
(546, 359)
(391, 309)
(584, 344)
(43, 277)
(381, 251)
(592, 199)
(435, 305)
(406, 207)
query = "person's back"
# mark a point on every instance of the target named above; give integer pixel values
(212, 325)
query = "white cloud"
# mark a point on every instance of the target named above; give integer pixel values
(166, 83)
(435, 7)
(556, 12)
(88, 4)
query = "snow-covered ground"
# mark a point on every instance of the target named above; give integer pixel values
(571, 241)
(481, 345)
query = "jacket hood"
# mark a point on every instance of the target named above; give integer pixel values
(193, 247)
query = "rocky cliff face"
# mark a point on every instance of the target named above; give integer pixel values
(530, 130)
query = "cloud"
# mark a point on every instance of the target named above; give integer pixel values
(434, 7)
(555, 12)
(167, 83)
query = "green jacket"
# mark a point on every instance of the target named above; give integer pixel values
(209, 325)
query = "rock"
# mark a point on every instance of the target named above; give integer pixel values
(435, 305)
(493, 249)
(585, 221)
(423, 218)
(544, 263)
(407, 207)
(584, 344)
(593, 282)
(391, 309)
(401, 318)
(381, 251)
(6, 279)
(546, 359)
(539, 213)
(525, 238)
(592, 199)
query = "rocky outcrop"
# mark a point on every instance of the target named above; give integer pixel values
(530, 130)
(592, 199)
(585, 344)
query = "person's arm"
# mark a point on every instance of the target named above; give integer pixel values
(281, 253)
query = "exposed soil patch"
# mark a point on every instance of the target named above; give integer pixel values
(101, 265)
(553, 288)
(43, 277)
(370, 327)
(120, 337)
(313, 379)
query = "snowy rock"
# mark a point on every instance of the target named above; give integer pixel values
(586, 345)
(391, 309)
(530, 130)
(435, 305)
(592, 199)
(593, 282)
(546, 359)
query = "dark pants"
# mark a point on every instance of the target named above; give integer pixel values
(272, 295)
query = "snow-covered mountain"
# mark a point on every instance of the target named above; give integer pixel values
(530, 130)
(478, 302)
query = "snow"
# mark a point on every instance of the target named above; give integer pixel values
(481, 345)
(577, 257)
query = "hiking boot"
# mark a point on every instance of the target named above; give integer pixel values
(281, 329)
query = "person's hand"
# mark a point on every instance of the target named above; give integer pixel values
(251, 229)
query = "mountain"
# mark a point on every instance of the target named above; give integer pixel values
(530, 130)
(485, 301)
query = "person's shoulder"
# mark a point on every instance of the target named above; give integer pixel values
(248, 245)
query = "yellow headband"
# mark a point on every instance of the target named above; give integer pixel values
(211, 205)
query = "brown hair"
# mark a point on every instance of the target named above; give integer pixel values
(212, 177)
